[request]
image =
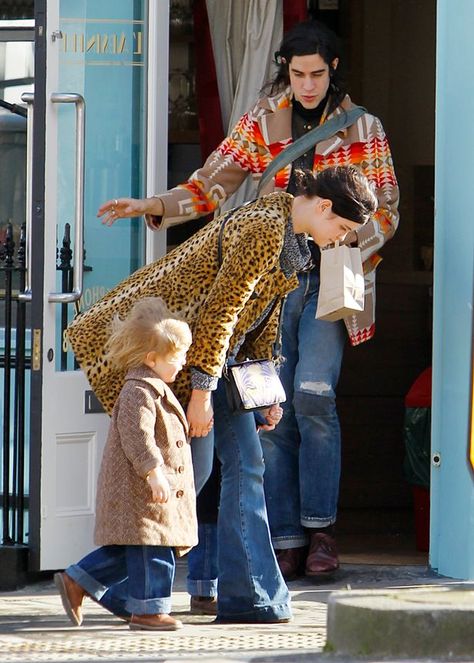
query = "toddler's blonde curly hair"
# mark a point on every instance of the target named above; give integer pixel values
(148, 327)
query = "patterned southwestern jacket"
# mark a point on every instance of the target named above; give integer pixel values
(258, 137)
(221, 303)
(148, 429)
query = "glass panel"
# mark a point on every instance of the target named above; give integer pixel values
(103, 58)
(16, 77)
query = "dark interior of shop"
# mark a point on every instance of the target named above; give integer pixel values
(390, 69)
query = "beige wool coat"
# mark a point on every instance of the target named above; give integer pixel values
(148, 428)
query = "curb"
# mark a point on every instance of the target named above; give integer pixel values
(401, 623)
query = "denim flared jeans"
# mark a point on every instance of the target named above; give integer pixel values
(250, 587)
(128, 579)
(303, 453)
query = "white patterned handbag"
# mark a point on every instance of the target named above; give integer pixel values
(253, 385)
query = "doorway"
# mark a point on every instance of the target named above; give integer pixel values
(383, 517)
(395, 80)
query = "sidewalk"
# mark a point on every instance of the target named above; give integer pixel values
(33, 626)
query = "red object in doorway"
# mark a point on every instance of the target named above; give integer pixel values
(211, 131)
(294, 11)
(419, 394)
(421, 507)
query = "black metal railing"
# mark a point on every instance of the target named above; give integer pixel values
(15, 369)
(64, 260)
(15, 363)
(65, 267)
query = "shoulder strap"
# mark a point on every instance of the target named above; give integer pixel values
(221, 232)
(316, 135)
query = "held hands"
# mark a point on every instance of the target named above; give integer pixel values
(122, 208)
(200, 414)
(159, 485)
(273, 416)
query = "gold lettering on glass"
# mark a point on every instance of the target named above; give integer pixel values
(137, 38)
(112, 43)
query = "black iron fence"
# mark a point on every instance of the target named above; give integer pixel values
(15, 373)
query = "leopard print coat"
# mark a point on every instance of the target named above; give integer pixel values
(220, 302)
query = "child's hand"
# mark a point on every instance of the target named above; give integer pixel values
(159, 485)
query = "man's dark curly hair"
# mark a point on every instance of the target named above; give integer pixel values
(310, 38)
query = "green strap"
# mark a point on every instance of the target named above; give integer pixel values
(316, 135)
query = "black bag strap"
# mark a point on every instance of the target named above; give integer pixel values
(316, 135)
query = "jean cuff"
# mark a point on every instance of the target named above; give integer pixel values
(202, 587)
(161, 606)
(86, 581)
(286, 542)
(317, 523)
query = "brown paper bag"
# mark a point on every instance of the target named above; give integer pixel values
(341, 288)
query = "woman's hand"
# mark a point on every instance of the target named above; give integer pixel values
(199, 414)
(159, 485)
(349, 238)
(273, 416)
(123, 208)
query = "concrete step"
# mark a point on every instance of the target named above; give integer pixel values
(402, 623)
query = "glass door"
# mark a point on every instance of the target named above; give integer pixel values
(96, 107)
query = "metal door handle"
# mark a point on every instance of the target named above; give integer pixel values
(28, 98)
(78, 101)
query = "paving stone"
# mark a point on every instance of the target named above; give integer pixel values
(33, 626)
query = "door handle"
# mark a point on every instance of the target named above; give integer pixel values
(28, 98)
(77, 283)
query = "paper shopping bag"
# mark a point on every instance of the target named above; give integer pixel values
(341, 288)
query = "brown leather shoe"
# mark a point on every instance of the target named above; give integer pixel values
(203, 605)
(322, 557)
(291, 562)
(161, 622)
(72, 596)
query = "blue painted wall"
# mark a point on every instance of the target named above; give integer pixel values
(452, 499)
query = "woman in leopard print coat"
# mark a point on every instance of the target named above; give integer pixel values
(233, 306)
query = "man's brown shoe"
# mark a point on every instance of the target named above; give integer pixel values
(72, 596)
(161, 622)
(291, 562)
(322, 557)
(203, 605)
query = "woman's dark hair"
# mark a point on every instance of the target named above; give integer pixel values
(310, 38)
(351, 193)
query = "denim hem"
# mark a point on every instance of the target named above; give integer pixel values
(258, 615)
(316, 523)
(202, 587)
(286, 542)
(149, 606)
(86, 581)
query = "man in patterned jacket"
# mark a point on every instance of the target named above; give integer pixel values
(302, 455)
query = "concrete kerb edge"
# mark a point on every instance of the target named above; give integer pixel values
(388, 623)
